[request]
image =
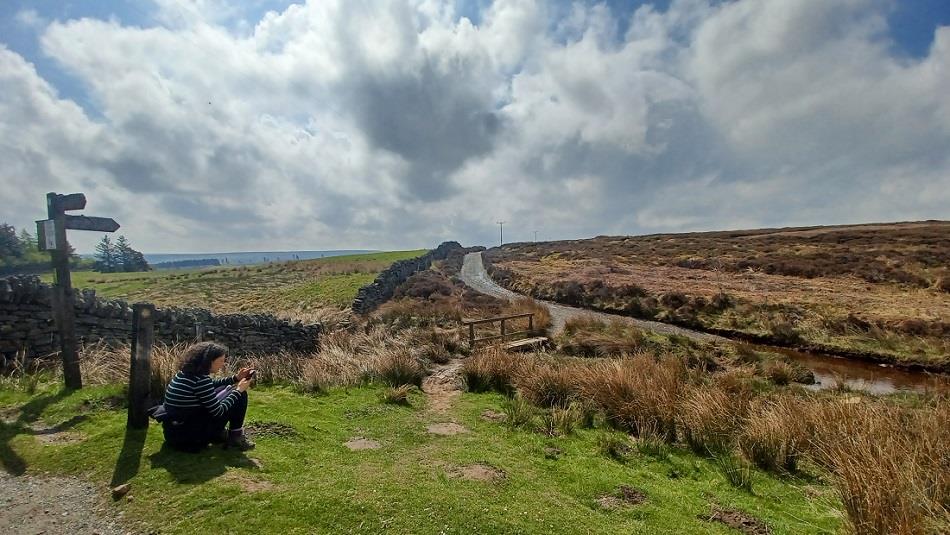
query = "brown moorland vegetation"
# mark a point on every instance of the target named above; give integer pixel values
(887, 457)
(874, 290)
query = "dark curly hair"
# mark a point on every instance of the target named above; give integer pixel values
(197, 359)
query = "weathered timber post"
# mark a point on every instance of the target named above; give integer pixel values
(531, 321)
(51, 236)
(143, 333)
(503, 331)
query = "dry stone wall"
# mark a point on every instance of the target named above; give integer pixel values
(26, 324)
(381, 290)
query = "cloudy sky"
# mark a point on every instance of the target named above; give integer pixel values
(201, 126)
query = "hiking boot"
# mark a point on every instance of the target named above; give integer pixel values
(220, 438)
(240, 443)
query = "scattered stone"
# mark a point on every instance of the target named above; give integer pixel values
(738, 520)
(446, 429)
(552, 452)
(493, 416)
(256, 463)
(477, 472)
(121, 490)
(359, 444)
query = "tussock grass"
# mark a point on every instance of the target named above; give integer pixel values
(777, 433)
(614, 445)
(491, 369)
(891, 465)
(548, 384)
(709, 418)
(638, 395)
(779, 372)
(737, 471)
(591, 337)
(397, 395)
(541, 321)
(518, 413)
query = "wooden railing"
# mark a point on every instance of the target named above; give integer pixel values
(504, 333)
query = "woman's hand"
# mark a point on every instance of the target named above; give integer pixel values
(244, 373)
(244, 384)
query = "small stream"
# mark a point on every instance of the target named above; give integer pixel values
(862, 375)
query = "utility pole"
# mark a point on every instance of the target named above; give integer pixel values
(501, 233)
(535, 236)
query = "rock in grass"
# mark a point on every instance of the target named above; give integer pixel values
(121, 490)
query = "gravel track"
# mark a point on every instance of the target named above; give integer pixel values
(33, 504)
(475, 276)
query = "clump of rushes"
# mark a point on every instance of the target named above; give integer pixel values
(889, 463)
(548, 384)
(710, 418)
(779, 372)
(397, 395)
(490, 369)
(588, 337)
(777, 433)
(637, 394)
(518, 413)
(397, 367)
(736, 470)
(613, 445)
(541, 319)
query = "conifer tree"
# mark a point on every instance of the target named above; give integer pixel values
(105, 256)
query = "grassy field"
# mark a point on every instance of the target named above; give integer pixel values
(280, 288)
(308, 481)
(874, 289)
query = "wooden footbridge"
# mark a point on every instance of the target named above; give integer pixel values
(512, 340)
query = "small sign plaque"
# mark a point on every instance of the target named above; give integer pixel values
(46, 235)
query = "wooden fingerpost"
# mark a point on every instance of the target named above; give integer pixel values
(51, 236)
(143, 330)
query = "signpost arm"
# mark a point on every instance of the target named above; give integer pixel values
(63, 298)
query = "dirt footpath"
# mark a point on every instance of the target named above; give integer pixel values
(475, 276)
(30, 505)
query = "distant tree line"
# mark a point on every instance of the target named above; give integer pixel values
(19, 253)
(119, 256)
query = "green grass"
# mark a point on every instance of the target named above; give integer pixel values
(311, 483)
(290, 286)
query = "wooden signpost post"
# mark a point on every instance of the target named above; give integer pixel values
(51, 236)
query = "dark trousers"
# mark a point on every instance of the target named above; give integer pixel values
(192, 431)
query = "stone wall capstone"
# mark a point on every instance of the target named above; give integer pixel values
(26, 324)
(369, 297)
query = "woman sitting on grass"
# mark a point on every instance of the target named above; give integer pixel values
(198, 407)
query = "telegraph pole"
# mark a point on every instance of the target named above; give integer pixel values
(501, 233)
(535, 236)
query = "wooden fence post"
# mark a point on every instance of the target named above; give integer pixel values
(503, 331)
(530, 323)
(143, 327)
(471, 335)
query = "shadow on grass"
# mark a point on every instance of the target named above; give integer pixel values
(198, 467)
(130, 457)
(29, 414)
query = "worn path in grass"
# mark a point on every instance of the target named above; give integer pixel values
(476, 277)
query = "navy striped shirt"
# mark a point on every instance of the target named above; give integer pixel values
(187, 392)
